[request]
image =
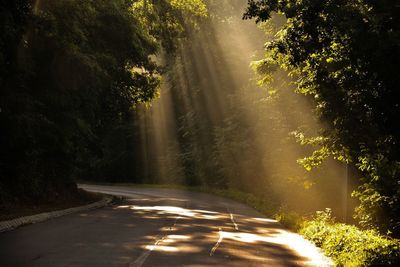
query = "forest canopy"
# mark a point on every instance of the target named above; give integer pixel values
(161, 91)
(345, 55)
(71, 72)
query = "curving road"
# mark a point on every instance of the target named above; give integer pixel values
(159, 227)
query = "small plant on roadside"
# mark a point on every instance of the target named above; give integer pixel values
(290, 219)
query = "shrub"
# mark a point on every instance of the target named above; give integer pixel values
(290, 219)
(349, 246)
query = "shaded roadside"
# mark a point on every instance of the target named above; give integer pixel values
(13, 210)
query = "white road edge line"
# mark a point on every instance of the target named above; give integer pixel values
(221, 236)
(139, 261)
(143, 257)
(232, 220)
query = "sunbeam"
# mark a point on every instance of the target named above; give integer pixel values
(212, 124)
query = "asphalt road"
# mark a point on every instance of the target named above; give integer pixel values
(159, 227)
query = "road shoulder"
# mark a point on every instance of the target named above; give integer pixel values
(18, 222)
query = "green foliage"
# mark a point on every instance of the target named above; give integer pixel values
(326, 148)
(290, 219)
(168, 21)
(72, 73)
(349, 246)
(217, 128)
(345, 55)
(187, 154)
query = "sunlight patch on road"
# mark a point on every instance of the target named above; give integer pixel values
(157, 245)
(179, 237)
(162, 248)
(292, 241)
(122, 207)
(173, 243)
(264, 220)
(206, 211)
(173, 210)
(303, 248)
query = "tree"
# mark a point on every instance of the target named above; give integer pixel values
(345, 55)
(77, 71)
(166, 23)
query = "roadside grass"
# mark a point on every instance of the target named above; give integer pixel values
(347, 245)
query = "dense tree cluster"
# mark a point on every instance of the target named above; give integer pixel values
(213, 125)
(345, 54)
(78, 80)
(71, 72)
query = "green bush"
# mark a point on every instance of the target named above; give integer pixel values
(349, 246)
(290, 219)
